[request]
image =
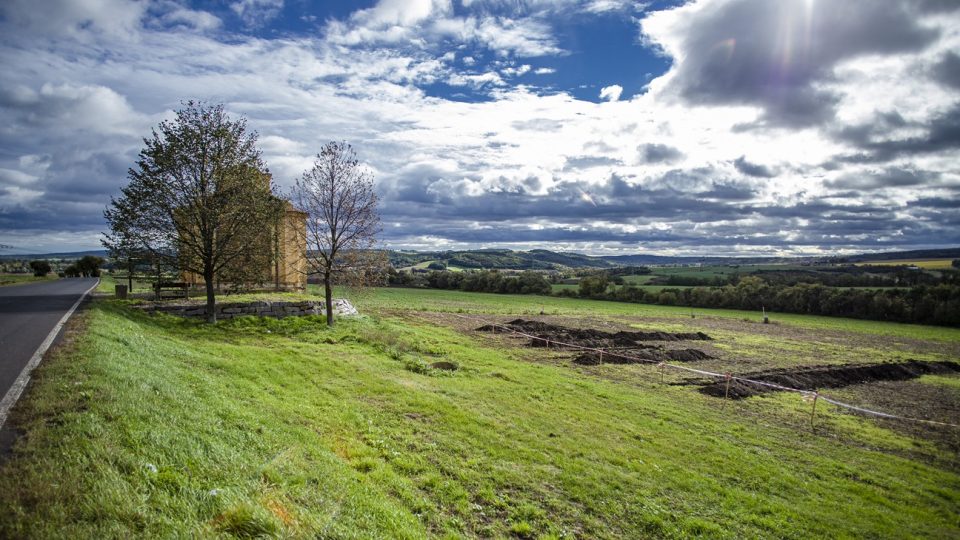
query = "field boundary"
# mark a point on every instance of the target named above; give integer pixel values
(812, 395)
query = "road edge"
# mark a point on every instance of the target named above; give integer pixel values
(13, 394)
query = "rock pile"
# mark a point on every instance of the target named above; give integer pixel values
(276, 309)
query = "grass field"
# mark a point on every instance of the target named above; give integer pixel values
(16, 279)
(926, 264)
(157, 427)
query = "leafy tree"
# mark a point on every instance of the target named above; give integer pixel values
(955, 263)
(199, 195)
(594, 285)
(339, 196)
(89, 266)
(40, 268)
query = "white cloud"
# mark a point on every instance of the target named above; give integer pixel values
(256, 12)
(74, 18)
(179, 16)
(71, 119)
(611, 93)
(544, 71)
(401, 12)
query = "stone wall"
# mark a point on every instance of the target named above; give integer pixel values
(277, 309)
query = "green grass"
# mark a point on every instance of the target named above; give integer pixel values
(18, 279)
(159, 427)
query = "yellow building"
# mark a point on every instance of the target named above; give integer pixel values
(277, 259)
(290, 263)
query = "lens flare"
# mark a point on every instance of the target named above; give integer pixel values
(586, 197)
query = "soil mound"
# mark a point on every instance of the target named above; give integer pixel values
(817, 377)
(644, 355)
(587, 337)
(687, 355)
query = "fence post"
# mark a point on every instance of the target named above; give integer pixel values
(726, 392)
(813, 410)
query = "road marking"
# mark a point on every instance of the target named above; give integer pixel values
(13, 394)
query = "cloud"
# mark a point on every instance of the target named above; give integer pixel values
(611, 93)
(73, 18)
(947, 70)
(753, 169)
(658, 153)
(777, 56)
(889, 178)
(667, 169)
(256, 12)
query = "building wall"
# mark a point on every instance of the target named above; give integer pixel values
(290, 263)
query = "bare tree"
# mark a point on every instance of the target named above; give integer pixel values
(339, 196)
(198, 196)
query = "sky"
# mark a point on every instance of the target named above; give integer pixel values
(708, 127)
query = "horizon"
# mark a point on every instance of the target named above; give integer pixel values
(707, 128)
(635, 254)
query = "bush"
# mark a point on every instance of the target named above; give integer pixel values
(40, 268)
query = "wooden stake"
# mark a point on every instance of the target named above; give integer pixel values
(813, 411)
(726, 392)
(661, 372)
(601, 356)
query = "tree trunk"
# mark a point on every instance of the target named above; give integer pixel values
(129, 275)
(211, 299)
(328, 291)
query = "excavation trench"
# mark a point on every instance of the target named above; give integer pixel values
(618, 347)
(819, 377)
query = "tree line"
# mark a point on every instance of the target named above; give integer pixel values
(936, 304)
(923, 304)
(489, 281)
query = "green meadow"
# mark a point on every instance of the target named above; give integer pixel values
(152, 426)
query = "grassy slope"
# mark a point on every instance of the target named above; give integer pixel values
(17, 279)
(287, 428)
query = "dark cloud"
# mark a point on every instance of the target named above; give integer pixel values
(942, 133)
(774, 54)
(753, 169)
(730, 192)
(889, 178)
(658, 153)
(947, 70)
(585, 162)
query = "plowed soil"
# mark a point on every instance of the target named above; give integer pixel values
(587, 337)
(818, 377)
(618, 347)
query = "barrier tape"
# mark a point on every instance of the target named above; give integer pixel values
(724, 376)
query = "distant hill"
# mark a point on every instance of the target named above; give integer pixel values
(49, 256)
(502, 259)
(544, 259)
(951, 253)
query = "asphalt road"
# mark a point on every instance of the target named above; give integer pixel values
(28, 313)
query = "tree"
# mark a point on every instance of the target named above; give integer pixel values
(89, 266)
(339, 197)
(199, 195)
(40, 268)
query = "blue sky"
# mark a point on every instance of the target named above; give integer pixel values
(757, 127)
